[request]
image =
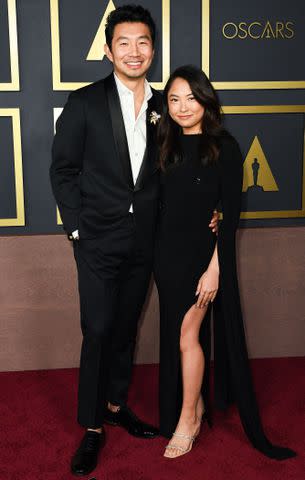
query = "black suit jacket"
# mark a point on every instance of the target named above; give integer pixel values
(91, 173)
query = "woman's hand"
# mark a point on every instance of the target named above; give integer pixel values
(214, 222)
(207, 287)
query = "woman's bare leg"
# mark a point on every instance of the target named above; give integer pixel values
(200, 408)
(192, 366)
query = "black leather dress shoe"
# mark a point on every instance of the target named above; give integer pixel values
(86, 456)
(126, 418)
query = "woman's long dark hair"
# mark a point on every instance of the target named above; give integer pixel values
(169, 131)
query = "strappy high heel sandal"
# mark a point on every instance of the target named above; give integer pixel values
(182, 450)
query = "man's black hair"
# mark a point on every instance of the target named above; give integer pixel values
(132, 14)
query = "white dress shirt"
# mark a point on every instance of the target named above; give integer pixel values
(135, 128)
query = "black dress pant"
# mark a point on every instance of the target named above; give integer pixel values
(114, 272)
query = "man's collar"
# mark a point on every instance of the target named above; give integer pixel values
(123, 90)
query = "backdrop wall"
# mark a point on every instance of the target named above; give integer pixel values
(39, 303)
(253, 54)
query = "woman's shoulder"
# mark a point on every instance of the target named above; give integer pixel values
(228, 145)
(227, 142)
(230, 156)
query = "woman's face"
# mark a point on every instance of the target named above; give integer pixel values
(184, 108)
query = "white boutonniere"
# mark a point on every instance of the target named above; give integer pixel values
(154, 117)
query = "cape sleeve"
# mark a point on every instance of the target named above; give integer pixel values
(233, 381)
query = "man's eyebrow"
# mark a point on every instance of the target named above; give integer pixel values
(146, 37)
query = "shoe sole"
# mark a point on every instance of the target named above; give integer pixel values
(83, 474)
(115, 424)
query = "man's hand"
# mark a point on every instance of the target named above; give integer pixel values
(73, 236)
(214, 222)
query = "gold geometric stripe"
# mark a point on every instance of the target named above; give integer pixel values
(13, 85)
(19, 220)
(232, 109)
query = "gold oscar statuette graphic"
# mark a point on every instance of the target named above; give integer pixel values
(96, 51)
(257, 172)
(268, 31)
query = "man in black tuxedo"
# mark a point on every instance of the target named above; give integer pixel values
(105, 179)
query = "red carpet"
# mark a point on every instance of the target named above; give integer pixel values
(39, 432)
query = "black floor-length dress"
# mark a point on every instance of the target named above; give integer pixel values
(185, 243)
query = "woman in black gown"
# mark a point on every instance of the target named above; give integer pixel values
(201, 167)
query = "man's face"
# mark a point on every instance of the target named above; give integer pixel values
(131, 50)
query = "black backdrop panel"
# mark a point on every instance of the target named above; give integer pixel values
(80, 24)
(257, 41)
(54, 38)
(281, 139)
(8, 192)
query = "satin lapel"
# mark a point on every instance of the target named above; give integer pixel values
(149, 163)
(118, 128)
